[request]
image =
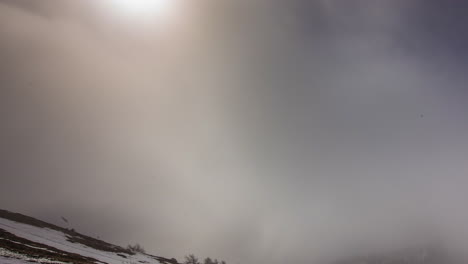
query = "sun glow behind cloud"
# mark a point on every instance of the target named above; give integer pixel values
(159, 11)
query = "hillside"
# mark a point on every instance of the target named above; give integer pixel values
(24, 239)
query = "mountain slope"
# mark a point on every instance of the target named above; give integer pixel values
(25, 239)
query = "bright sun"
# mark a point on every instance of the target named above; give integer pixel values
(159, 9)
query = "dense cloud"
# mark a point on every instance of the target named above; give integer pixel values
(254, 131)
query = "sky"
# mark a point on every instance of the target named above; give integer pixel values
(254, 131)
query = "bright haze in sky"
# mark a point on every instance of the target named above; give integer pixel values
(254, 131)
(148, 9)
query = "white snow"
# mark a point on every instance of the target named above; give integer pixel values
(59, 240)
(11, 257)
(11, 241)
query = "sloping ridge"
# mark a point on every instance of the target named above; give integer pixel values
(25, 239)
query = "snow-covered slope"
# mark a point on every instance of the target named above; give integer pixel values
(24, 239)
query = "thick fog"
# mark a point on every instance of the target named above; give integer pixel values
(260, 131)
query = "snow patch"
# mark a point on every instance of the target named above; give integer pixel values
(58, 240)
(11, 257)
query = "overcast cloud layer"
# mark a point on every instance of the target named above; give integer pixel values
(258, 131)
